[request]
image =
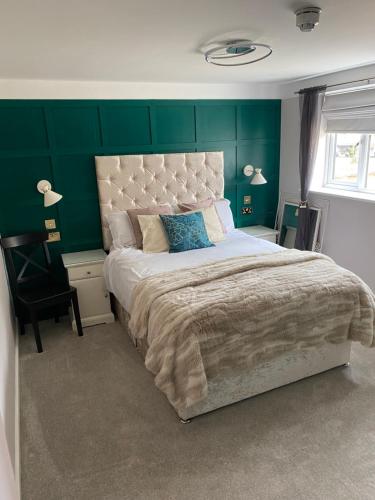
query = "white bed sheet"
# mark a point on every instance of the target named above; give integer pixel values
(124, 268)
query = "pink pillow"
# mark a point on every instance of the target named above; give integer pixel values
(188, 207)
(133, 216)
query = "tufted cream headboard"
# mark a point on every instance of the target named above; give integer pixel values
(138, 181)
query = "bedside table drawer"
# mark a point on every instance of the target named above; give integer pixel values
(262, 232)
(269, 237)
(93, 297)
(85, 271)
(94, 302)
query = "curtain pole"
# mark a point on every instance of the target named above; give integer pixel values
(301, 91)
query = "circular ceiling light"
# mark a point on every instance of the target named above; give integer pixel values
(237, 53)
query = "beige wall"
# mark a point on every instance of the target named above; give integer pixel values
(7, 364)
(349, 229)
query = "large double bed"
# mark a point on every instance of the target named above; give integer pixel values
(217, 325)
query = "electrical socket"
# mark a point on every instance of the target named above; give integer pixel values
(247, 200)
(50, 223)
(53, 236)
(246, 211)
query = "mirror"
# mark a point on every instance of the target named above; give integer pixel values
(289, 222)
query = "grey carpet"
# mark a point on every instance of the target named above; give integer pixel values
(93, 426)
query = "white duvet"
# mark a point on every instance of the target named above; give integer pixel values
(124, 268)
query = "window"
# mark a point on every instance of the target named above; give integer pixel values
(350, 161)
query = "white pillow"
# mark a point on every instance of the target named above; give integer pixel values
(121, 230)
(225, 214)
(153, 234)
(212, 222)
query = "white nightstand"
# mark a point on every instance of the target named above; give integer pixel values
(263, 232)
(85, 272)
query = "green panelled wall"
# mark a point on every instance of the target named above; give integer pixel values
(57, 140)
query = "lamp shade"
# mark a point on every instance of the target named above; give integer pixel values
(50, 197)
(258, 177)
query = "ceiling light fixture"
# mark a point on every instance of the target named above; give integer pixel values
(237, 53)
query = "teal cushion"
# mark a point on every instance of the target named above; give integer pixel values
(185, 232)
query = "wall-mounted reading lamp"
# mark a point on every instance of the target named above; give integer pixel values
(50, 197)
(258, 178)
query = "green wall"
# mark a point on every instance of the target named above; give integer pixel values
(57, 140)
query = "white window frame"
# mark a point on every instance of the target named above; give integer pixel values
(363, 161)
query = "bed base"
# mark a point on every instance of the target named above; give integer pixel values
(196, 411)
(345, 365)
(182, 421)
(224, 390)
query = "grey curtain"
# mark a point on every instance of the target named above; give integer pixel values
(311, 103)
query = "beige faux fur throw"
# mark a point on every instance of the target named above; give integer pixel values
(241, 311)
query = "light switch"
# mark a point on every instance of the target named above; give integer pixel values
(247, 200)
(50, 223)
(53, 236)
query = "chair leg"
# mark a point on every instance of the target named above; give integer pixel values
(34, 321)
(77, 314)
(21, 325)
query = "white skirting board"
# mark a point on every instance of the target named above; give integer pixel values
(224, 390)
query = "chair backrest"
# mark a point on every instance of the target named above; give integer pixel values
(24, 247)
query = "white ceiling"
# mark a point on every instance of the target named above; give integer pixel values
(159, 40)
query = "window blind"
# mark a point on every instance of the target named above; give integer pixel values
(350, 112)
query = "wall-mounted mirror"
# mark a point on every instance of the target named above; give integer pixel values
(288, 222)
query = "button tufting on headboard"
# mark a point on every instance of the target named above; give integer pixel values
(142, 180)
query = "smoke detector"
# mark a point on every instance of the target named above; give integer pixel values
(307, 18)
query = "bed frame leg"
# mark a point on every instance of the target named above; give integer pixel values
(182, 421)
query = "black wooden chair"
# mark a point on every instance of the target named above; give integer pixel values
(40, 290)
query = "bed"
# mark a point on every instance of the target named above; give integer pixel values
(132, 276)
